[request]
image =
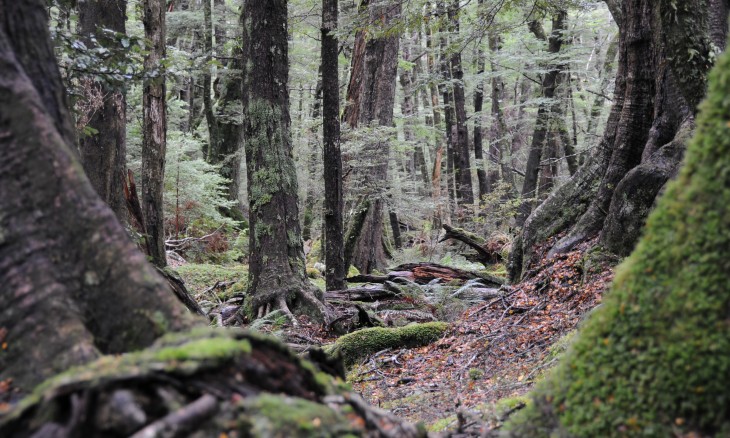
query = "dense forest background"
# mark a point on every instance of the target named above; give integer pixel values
(473, 215)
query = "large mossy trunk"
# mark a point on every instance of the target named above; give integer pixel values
(277, 277)
(73, 284)
(654, 359)
(656, 89)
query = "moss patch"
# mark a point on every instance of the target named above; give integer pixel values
(654, 359)
(199, 277)
(368, 341)
(279, 416)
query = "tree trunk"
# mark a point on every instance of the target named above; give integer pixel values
(74, 285)
(333, 197)
(154, 130)
(498, 137)
(104, 153)
(462, 161)
(207, 78)
(277, 277)
(482, 177)
(375, 98)
(646, 128)
(542, 123)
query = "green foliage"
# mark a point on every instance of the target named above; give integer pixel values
(654, 359)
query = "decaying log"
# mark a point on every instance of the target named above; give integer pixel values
(484, 255)
(424, 273)
(366, 293)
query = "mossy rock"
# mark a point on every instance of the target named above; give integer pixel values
(654, 359)
(199, 277)
(362, 343)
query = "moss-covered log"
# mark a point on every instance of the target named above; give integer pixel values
(200, 384)
(654, 359)
(364, 342)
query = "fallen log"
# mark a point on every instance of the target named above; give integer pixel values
(484, 254)
(366, 293)
(424, 273)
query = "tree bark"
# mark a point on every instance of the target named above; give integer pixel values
(74, 285)
(479, 161)
(462, 161)
(277, 277)
(332, 155)
(154, 143)
(104, 153)
(375, 97)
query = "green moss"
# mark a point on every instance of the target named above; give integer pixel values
(199, 277)
(204, 349)
(279, 416)
(368, 341)
(654, 359)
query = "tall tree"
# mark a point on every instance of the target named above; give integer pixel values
(65, 261)
(277, 278)
(664, 56)
(544, 112)
(376, 63)
(154, 129)
(333, 198)
(460, 132)
(104, 153)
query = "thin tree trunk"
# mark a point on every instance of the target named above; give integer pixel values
(542, 124)
(207, 78)
(154, 130)
(333, 192)
(462, 161)
(480, 163)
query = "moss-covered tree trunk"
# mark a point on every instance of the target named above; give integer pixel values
(277, 278)
(104, 153)
(73, 284)
(654, 359)
(154, 129)
(664, 55)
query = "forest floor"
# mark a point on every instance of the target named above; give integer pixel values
(492, 354)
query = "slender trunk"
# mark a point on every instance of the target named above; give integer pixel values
(333, 192)
(154, 130)
(484, 188)
(207, 77)
(534, 157)
(462, 161)
(103, 154)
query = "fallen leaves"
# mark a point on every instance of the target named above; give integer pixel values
(507, 339)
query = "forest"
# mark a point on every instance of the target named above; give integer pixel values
(364, 218)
